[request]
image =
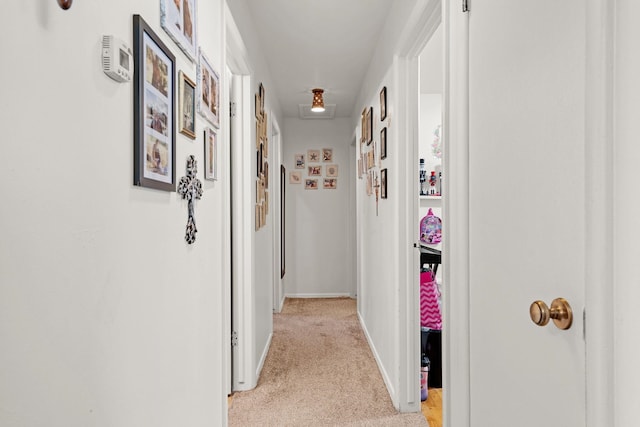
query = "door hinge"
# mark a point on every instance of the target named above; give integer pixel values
(234, 339)
(465, 5)
(232, 109)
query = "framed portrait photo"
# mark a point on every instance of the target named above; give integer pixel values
(383, 183)
(210, 154)
(153, 108)
(178, 18)
(208, 91)
(299, 159)
(383, 103)
(383, 143)
(187, 106)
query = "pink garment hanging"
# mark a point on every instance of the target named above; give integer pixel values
(430, 316)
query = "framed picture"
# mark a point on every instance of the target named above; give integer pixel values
(178, 18)
(315, 170)
(208, 91)
(295, 177)
(313, 156)
(299, 159)
(383, 183)
(265, 172)
(330, 183)
(311, 184)
(368, 125)
(210, 154)
(327, 154)
(383, 103)
(332, 170)
(187, 106)
(383, 143)
(153, 108)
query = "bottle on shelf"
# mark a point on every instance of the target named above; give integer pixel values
(432, 183)
(424, 377)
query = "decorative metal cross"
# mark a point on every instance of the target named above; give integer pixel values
(190, 188)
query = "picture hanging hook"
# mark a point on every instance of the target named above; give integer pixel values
(65, 4)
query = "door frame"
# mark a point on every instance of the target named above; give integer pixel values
(239, 309)
(599, 323)
(275, 190)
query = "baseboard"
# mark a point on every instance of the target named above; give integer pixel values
(281, 303)
(383, 371)
(263, 357)
(336, 295)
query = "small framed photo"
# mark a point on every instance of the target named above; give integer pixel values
(210, 154)
(368, 125)
(327, 154)
(295, 177)
(315, 170)
(208, 91)
(383, 183)
(332, 171)
(187, 106)
(383, 103)
(383, 143)
(330, 183)
(313, 156)
(311, 184)
(178, 18)
(153, 108)
(299, 159)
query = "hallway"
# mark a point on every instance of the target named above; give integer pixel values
(319, 372)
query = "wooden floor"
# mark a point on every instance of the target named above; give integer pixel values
(432, 407)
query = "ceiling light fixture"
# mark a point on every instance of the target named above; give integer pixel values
(317, 106)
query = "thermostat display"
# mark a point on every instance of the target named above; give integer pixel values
(117, 59)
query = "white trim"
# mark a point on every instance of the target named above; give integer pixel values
(456, 303)
(383, 372)
(328, 295)
(274, 201)
(242, 157)
(599, 143)
(263, 357)
(426, 18)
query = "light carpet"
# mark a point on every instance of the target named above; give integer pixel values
(319, 372)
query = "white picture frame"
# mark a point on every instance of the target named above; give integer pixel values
(179, 19)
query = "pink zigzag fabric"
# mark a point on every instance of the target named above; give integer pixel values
(430, 316)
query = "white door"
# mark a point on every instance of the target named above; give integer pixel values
(526, 210)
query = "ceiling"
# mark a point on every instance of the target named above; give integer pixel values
(318, 43)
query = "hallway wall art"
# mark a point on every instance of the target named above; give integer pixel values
(179, 19)
(153, 109)
(262, 163)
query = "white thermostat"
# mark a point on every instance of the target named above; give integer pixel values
(117, 59)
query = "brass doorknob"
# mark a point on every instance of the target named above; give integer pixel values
(560, 312)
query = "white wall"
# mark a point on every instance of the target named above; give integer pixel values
(319, 234)
(380, 258)
(107, 316)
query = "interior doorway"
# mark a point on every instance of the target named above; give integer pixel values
(430, 149)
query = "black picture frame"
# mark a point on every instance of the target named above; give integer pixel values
(383, 143)
(154, 121)
(369, 124)
(383, 183)
(383, 103)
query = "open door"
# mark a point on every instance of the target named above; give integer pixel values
(526, 210)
